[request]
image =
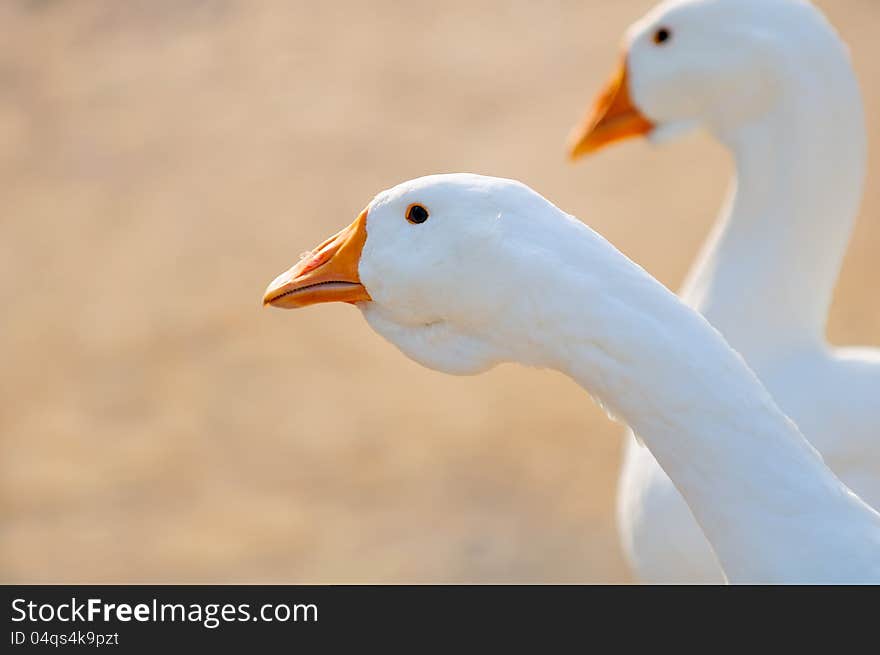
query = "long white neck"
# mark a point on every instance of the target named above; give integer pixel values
(767, 273)
(766, 501)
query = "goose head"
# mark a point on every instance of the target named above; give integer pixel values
(716, 64)
(438, 266)
(462, 272)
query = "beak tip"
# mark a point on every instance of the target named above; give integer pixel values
(577, 149)
(581, 141)
(269, 298)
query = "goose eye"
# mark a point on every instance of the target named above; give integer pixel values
(416, 213)
(662, 35)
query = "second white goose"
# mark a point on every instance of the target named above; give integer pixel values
(773, 82)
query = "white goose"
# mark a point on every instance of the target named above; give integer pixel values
(462, 272)
(772, 81)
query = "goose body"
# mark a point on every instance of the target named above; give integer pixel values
(772, 81)
(462, 272)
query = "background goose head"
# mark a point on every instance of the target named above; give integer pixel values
(449, 268)
(718, 64)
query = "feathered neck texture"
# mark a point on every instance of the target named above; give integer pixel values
(770, 507)
(767, 273)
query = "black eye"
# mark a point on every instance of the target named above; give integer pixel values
(415, 213)
(662, 35)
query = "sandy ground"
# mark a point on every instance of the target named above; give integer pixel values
(161, 161)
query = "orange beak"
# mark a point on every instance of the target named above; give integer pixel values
(328, 274)
(612, 118)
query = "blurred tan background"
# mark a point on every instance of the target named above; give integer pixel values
(162, 160)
